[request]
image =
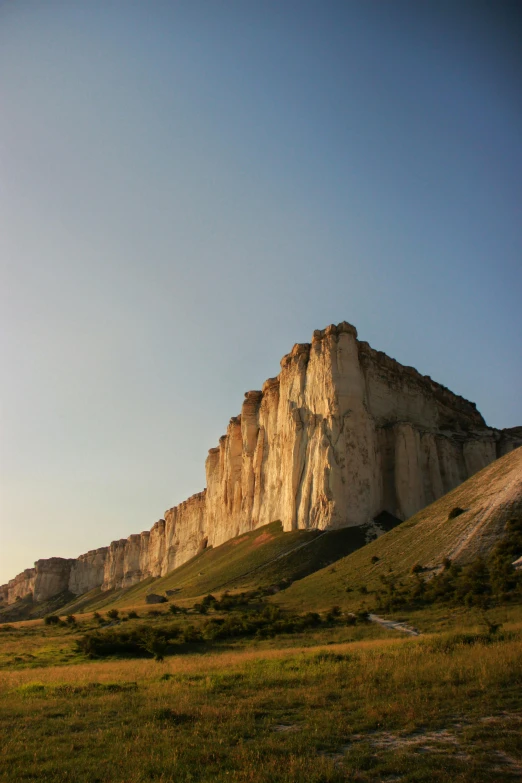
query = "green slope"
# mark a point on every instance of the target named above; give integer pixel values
(262, 558)
(489, 499)
(27, 609)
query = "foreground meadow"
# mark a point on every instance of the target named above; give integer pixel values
(442, 707)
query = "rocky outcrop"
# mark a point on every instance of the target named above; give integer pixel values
(341, 435)
(154, 598)
(48, 578)
(87, 571)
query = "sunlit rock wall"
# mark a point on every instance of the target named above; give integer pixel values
(340, 435)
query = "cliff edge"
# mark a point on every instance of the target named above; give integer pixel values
(342, 434)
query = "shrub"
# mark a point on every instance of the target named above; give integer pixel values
(191, 635)
(491, 626)
(132, 615)
(113, 614)
(170, 716)
(334, 614)
(329, 657)
(209, 601)
(71, 619)
(155, 645)
(480, 583)
(138, 641)
(456, 512)
(375, 559)
(312, 619)
(51, 619)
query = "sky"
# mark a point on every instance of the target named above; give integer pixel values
(189, 188)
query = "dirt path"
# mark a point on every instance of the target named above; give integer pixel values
(393, 625)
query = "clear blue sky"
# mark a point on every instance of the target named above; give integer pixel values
(188, 188)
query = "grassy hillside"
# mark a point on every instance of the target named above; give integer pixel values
(262, 558)
(27, 609)
(488, 500)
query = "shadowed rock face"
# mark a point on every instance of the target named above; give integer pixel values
(48, 577)
(342, 434)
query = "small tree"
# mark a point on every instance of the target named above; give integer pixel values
(334, 614)
(113, 614)
(491, 626)
(52, 619)
(209, 601)
(156, 645)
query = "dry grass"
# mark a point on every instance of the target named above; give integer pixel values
(367, 711)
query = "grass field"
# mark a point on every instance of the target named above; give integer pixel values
(337, 702)
(429, 709)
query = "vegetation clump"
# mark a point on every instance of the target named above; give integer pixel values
(237, 620)
(482, 583)
(456, 512)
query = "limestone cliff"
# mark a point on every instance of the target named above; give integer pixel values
(48, 577)
(340, 435)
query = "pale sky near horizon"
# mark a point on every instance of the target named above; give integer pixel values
(189, 188)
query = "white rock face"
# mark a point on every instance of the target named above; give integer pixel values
(342, 434)
(48, 577)
(87, 571)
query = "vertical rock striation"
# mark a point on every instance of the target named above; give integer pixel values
(48, 578)
(342, 434)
